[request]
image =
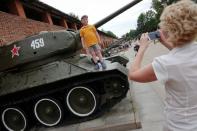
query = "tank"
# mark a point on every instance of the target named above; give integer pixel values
(113, 53)
(44, 81)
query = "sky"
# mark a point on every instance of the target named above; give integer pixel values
(99, 9)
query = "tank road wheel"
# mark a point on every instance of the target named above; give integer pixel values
(14, 120)
(114, 87)
(81, 101)
(48, 112)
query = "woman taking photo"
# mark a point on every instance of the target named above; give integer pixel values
(177, 70)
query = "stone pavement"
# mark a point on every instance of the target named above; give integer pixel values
(149, 97)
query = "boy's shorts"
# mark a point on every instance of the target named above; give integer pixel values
(94, 48)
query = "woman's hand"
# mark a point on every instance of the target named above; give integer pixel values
(137, 73)
(144, 41)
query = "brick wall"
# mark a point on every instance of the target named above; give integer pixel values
(106, 40)
(14, 28)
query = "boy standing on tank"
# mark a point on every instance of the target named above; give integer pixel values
(90, 41)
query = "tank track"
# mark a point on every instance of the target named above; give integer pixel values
(99, 82)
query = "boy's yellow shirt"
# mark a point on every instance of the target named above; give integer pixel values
(89, 35)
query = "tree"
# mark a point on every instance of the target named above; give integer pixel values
(73, 15)
(146, 22)
(130, 35)
(111, 34)
(149, 21)
(158, 7)
(141, 23)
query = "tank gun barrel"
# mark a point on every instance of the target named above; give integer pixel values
(116, 13)
(42, 48)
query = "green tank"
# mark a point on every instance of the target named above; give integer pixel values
(44, 81)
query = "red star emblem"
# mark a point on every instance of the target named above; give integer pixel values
(15, 51)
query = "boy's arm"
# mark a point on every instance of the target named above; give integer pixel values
(82, 42)
(82, 39)
(83, 45)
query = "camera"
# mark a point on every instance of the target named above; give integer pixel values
(154, 35)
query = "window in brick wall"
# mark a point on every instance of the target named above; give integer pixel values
(69, 25)
(4, 7)
(56, 20)
(33, 14)
(79, 26)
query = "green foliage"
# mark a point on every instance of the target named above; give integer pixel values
(74, 15)
(158, 7)
(146, 22)
(149, 21)
(130, 35)
(141, 22)
(109, 33)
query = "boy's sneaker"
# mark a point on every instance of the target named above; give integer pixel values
(104, 66)
(96, 66)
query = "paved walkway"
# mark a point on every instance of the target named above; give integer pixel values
(149, 97)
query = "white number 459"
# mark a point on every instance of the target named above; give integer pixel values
(37, 43)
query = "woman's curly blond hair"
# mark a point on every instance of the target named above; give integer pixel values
(179, 20)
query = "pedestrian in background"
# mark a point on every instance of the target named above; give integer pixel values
(177, 70)
(90, 41)
(136, 47)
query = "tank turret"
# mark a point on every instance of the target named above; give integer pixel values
(43, 46)
(45, 82)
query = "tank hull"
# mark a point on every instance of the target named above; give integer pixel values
(54, 81)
